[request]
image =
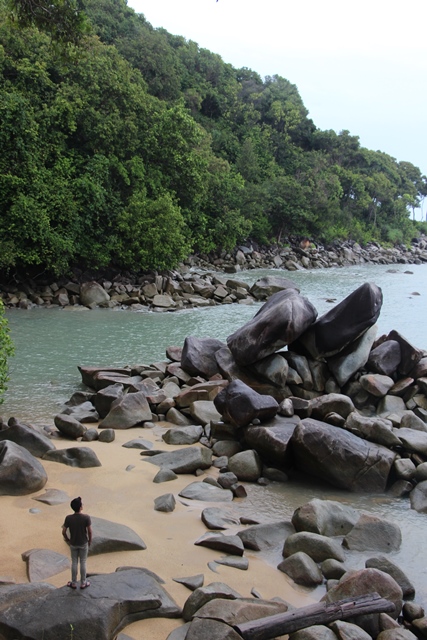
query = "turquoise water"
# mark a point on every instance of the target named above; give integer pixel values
(50, 343)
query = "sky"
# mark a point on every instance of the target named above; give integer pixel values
(360, 66)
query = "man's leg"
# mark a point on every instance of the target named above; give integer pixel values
(83, 551)
(74, 559)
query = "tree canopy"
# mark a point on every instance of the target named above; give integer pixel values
(138, 147)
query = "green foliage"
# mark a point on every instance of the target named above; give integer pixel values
(6, 350)
(138, 147)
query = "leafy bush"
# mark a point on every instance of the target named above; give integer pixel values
(6, 350)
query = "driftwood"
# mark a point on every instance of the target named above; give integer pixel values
(320, 613)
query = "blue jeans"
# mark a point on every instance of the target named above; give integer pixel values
(78, 553)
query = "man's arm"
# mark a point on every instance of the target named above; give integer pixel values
(89, 534)
(64, 535)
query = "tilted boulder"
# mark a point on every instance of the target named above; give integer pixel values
(343, 324)
(104, 398)
(198, 356)
(20, 472)
(318, 547)
(202, 595)
(385, 358)
(384, 564)
(341, 458)
(269, 285)
(186, 460)
(127, 411)
(240, 405)
(349, 360)
(108, 537)
(26, 436)
(271, 440)
(374, 534)
(302, 569)
(279, 322)
(69, 426)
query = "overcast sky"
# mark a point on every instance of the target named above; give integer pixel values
(358, 66)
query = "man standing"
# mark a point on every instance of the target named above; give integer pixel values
(80, 538)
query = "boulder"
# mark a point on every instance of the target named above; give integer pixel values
(89, 374)
(246, 465)
(279, 322)
(215, 518)
(138, 443)
(271, 440)
(240, 610)
(385, 358)
(374, 534)
(53, 497)
(332, 569)
(273, 369)
(202, 595)
(127, 411)
(107, 435)
(315, 632)
(26, 436)
(165, 503)
(325, 517)
(198, 356)
(110, 536)
(348, 631)
(418, 497)
(191, 582)
(104, 398)
(227, 543)
(84, 412)
(69, 426)
(375, 429)
(82, 457)
(186, 460)
(343, 324)
(248, 375)
(358, 583)
(384, 564)
(376, 384)
(302, 569)
(43, 563)
(413, 440)
(206, 492)
(345, 364)
(410, 355)
(318, 547)
(113, 602)
(203, 412)
(320, 407)
(92, 294)
(261, 537)
(234, 561)
(240, 405)
(20, 472)
(341, 458)
(267, 286)
(164, 475)
(396, 634)
(202, 628)
(183, 435)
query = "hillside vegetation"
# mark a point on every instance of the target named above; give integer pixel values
(135, 147)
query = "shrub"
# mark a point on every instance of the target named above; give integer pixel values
(6, 350)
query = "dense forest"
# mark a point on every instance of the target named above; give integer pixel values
(133, 147)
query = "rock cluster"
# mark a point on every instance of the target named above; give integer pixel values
(191, 286)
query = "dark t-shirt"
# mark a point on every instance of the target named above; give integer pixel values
(77, 524)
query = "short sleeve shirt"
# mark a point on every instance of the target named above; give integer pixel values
(77, 524)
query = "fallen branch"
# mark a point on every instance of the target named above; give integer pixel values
(320, 613)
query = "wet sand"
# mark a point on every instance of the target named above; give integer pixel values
(127, 497)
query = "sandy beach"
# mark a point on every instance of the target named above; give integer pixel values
(127, 497)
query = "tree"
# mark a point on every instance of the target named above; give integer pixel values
(6, 350)
(64, 20)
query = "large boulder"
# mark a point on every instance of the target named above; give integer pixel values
(374, 534)
(20, 472)
(246, 465)
(240, 405)
(26, 436)
(302, 569)
(92, 294)
(183, 435)
(186, 460)
(249, 375)
(343, 324)
(113, 601)
(198, 356)
(279, 322)
(108, 537)
(385, 358)
(82, 457)
(345, 364)
(384, 564)
(325, 517)
(205, 594)
(318, 547)
(341, 458)
(127, 411)
(206, 492)
(261, 537)
(271, 440)
(69, 426)
(104, 398)
(359, 583)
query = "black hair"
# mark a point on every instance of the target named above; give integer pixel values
(76, 504)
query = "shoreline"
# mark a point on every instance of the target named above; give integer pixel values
(169, 537)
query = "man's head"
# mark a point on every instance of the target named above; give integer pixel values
(76, 504)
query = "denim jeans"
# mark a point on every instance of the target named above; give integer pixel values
(78, 553)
